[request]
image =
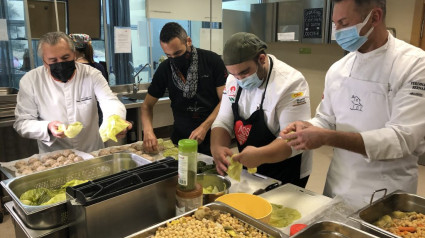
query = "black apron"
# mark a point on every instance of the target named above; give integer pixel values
(189, 114)
(185, 123)
(254, 131)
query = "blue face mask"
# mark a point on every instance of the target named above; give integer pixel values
(250, 82)
(350, 39)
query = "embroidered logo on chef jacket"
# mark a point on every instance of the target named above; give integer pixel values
(84, 99)
(418, 86)
(242, 132)
(357, 106)
(298, 94)
(417, 94)
(299, 101)
(232, 94)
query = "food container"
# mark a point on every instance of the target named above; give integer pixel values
(271, 231)
(252, 205)
(188, 200)
(396, 201)
(50, 216)
(9, 169)
(331, 229)
(223, 184)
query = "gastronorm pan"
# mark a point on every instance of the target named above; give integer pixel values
(50, 216)
(331, 229)
(273, 232)
(396, 201)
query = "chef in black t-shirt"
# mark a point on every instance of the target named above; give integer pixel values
(195, 80)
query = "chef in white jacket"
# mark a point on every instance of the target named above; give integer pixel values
(373, 108)
(262, 96)
(63, 92)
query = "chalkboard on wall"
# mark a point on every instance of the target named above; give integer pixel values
(313, 18)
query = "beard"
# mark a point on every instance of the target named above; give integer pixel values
(262, 72)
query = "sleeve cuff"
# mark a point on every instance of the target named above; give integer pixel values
(46, 138)
(382, 144)
(222, 125)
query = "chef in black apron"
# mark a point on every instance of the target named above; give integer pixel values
(253, 131)
(195, 81)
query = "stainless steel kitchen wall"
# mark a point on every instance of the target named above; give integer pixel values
(305, 21)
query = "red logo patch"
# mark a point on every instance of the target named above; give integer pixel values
(242, 132)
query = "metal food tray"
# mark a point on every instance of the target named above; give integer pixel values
(21, 230)
(271, 231)
(331, 229)
(397, 200)
(50, 216)
(9, 169)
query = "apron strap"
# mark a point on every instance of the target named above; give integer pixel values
(267, 82)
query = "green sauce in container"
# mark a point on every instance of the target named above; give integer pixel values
(188, 151)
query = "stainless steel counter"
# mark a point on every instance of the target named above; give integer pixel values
(8, 121)
(137, 103)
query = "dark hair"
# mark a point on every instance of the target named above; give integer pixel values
(172, 30)
(88, 52)
(366, 5)
(257, 56)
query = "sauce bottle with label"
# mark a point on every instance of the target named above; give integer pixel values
(188, 151)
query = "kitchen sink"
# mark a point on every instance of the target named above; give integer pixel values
(123, 89)
(140, 95)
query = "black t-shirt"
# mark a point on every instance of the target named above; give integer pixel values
(190, 113)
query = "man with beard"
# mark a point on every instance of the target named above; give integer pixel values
(195, 81)
(263, 95)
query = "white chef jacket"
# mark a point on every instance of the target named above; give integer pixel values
(41, 99)
(379, 94)
(287, 100)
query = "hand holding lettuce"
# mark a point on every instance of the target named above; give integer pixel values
(235, 169)
(72, 130)
(112, 127)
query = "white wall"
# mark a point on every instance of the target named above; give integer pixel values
(313, 66)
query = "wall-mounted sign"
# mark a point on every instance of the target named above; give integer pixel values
(313, 18)
(122, 37)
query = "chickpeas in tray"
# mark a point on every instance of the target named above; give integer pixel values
(208, 223)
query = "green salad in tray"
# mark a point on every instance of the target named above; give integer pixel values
(45, 196)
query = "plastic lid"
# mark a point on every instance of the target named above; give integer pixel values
(188, 145)
(197, 192)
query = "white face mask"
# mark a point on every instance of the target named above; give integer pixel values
(349, 38)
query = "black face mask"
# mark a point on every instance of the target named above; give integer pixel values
(63, 70)
(182, 62)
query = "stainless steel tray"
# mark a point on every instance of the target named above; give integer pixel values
(22, 231)
(150, 232)
(50, 216)
(331, 229)
(397, 200)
